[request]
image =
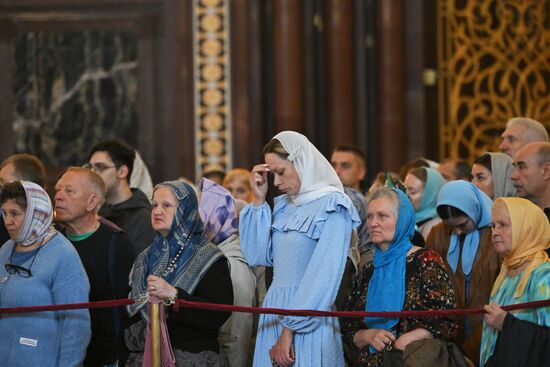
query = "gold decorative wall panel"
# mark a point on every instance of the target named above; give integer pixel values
(494, 64)
(212, 85)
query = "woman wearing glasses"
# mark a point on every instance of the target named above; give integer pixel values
(39, 267)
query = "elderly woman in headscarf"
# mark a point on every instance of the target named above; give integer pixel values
(423, 185)
(401, 277)
(521, 234)
(221, 227)
(39, 267)
(491, 173)
(180, 263)
(306, 239)
(464, 241)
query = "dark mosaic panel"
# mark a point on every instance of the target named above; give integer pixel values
(72, 90)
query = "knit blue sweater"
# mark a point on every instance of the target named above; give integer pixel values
(45, 338)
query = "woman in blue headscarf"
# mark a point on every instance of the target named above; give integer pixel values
(464, 241)
(423, 185)
(180, 263)
(401, 277)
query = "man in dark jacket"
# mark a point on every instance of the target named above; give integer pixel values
(128, 208)
(106, 253)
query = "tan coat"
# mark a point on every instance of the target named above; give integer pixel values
(484, 273)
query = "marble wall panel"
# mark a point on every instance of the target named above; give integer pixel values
(72, 90)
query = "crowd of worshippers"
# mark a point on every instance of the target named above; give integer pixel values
(296, 231)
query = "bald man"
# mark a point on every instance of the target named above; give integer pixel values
(531, 174)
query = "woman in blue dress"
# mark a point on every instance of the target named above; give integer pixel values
(306, 239)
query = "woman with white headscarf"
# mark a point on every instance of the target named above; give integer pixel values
(306, 239)
(39, 267)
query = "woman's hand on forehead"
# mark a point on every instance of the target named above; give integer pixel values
(258, 182)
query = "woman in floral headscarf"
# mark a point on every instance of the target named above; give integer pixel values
(521, 234)
(180, 263)
(39, 267)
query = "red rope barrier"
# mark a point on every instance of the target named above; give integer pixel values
(355, 314)
(70, 306)
(276, 311)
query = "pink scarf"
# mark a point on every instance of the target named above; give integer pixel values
(167, 358)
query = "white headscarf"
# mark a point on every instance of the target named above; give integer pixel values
(317, 176)
(141, 179)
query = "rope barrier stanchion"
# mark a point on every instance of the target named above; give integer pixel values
(155, 334)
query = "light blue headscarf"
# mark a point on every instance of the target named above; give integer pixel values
(434, 183)
(386, 290)
(476, 205)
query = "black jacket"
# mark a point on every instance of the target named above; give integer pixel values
(108, 266)
(521, 344)
(134, 217)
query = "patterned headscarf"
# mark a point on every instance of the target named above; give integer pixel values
(386, 290)
(38, 216)
(316, 174)
(530, 237)
(186, 233)
(217, 211)
(476, 205)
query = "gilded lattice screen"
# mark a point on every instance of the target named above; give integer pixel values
(212, 85)
(494, 63)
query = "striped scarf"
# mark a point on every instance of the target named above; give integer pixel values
(38, 216)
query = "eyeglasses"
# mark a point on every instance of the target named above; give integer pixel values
(97, 167)
(19, 270)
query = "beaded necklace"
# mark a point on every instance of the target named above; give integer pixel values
(172, 263)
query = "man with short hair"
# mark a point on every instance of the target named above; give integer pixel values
(519, 132)
(19, 167)
(454, 169)
(106, 253)
(349, 163)
(531, 174)
(531, 177)
(128, 208)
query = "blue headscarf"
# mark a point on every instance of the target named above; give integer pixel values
(476, 205)
(386, 290)
(434, 183)
(197, 255)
